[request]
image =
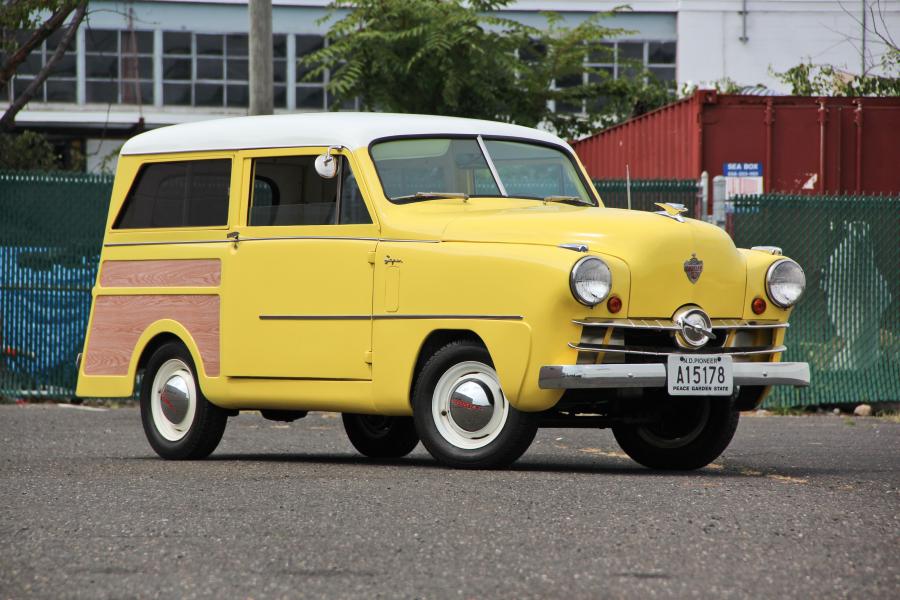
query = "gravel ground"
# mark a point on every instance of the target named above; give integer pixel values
(796, 507)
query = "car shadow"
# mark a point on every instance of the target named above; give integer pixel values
(574, 465)
(326, 459)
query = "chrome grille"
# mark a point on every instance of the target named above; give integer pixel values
(652, 340)
(669, 325)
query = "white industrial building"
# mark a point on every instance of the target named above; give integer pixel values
(139, 64)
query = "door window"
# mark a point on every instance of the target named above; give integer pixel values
(288, 191)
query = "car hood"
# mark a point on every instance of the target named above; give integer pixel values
(654, 247)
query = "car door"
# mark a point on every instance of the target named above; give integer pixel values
(298, 281)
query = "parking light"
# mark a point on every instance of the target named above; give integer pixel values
(614, 304)
(758, 306)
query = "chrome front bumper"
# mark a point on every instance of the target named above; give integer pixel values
(563, 377)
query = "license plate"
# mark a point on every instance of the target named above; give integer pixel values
(699, 375)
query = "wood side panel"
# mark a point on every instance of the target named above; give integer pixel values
(161, 273)
(119, 321)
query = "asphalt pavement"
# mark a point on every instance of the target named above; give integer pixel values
(803, 507)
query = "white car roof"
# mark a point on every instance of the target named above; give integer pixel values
(348, 129)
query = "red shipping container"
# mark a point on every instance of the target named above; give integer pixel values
(804, 144)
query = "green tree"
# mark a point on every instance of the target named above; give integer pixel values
(27, 151)
(24, 25)
(454, 57)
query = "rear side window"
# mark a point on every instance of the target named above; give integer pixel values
(188, 193)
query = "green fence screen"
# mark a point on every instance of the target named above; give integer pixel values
(847, 325)
(645, 192)
(51, 230)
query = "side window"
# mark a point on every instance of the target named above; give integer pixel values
(288, 191)
(189, 193)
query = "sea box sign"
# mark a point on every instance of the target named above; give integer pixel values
(742, 169)
(743, 179)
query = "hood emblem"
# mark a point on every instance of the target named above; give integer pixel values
(671, 210)
(693, 267)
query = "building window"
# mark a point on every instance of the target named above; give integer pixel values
(118, 66)
(310, 92)
(661, 61)
(621, 59)
(176, 68)
(629, 58)
(61, 85)
(198, 69)
(213, 69)
(279, 69)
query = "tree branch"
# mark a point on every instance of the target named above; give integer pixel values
(8, 120)
(43, 32)
(871, 24)
(886, 35)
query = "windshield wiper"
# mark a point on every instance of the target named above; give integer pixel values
(431, 196)
(567, 200)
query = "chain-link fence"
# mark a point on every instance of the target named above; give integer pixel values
(847, 325)
(645, 192)
(51, 230)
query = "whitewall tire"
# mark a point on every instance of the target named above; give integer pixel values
(461, 413)
(179, 422)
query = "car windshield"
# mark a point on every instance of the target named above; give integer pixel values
(414, 170)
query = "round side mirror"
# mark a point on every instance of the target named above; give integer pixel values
(326, 166)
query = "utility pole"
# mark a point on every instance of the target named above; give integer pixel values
(261, 102)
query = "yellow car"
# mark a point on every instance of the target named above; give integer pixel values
(447, 280)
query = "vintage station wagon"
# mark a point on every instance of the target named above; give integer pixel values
(447, 280)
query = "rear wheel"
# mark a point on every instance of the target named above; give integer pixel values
(179, 422)
(462, 415)
(378, 436)
(690, 434)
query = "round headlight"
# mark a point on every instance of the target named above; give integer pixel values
(590, 281)
(785, 283)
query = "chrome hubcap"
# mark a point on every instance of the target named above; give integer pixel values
(471, 405)
(173, 399)
(468, 406)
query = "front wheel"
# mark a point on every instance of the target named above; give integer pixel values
(378, 436)
(690, 434)
(462, 415)
(180, 423)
